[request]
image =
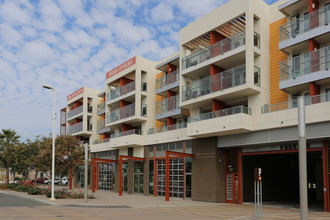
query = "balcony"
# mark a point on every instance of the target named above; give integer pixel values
(306, 68)
(224, 122)
(75, 112)
(125, 133)
(75, 128)
(226, 53)
(101, 128)
(101, 141)
(120, 91)
(167, 82)
(310, 100)
(167, 128)
(121, 113)
(100, 108)
(218, 83)
(312, 25)
(169, 107)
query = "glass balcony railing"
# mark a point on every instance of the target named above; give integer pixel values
(167, 128)
(222, 113)
(306, 63)
(168, 104)
(100, 141)
(167, 79)
(125, 133)
(100, 108)
(217, 49)
(220, 81)
(75, 128)
(101, 126)
(308, 22)
(309, 100)
(120, 91)
(75, 111)
(121, 113)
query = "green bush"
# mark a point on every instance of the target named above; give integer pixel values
(21, 188)
(57, 195)
(12, 186)
(34, 191)
(17, 178)
(49, 193)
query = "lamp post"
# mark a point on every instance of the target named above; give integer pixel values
(53, 145)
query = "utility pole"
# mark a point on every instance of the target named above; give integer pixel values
(302, 159)
(86, 172)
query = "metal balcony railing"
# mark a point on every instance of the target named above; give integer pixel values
(222, 113)
(220, 81)
(167, 128)
(75, 111)
(217, 49)
(100, 141)
(125, 133)
(121, 113)
(120, 91)
(168, 104)
(301, 25)
(100, 108)
(305, 63)
(75, 128)
(167, 79)
(309, 100)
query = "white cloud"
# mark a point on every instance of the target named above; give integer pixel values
(162, 13)
(9, 35)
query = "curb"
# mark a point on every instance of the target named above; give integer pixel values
(27, 197)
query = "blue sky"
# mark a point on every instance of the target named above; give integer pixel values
(73, 43)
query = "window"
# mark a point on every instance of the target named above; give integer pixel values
(307, 98)
(294, 100)
(327, 91)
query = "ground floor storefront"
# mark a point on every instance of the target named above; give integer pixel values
(200, 170)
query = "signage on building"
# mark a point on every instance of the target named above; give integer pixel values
(121, 67)
(76, 93)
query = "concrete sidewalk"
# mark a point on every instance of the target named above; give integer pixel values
(109, 205)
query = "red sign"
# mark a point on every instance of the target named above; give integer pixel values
(76, 93)
(121, 67)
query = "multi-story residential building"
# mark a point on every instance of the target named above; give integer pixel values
(81, 113)
(197, 123)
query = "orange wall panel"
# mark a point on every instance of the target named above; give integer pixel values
(276, 56)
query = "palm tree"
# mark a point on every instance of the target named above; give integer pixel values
(8, 138)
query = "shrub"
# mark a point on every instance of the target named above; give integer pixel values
(12, 186)
(49, 193)
(21, 188)
(17, 178)
(3, 186)
(57, 195)
(34, 191)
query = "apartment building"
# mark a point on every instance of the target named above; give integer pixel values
(81, 113)
(195, 124)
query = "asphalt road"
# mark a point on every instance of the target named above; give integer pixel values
(14, 201)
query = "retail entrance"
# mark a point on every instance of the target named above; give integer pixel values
(280, 174)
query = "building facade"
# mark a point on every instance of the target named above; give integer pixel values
(196, 124)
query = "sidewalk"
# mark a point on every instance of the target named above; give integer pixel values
(109, 205)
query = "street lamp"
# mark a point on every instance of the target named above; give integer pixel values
(53, 145)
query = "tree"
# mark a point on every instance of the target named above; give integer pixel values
(9, 139)
(69, 154)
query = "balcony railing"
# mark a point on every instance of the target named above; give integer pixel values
(75, 111)
(100, 141)
(310, 21)
(75, 128)
(120, 91)
(168, 104)
(220, 81)
(125, 133)
(167, 79)
(101, 126)
(167, 128)
(305, 64)
(100, 108)
(309, 100)
(214, 50)
(121, 113)
(222, 113)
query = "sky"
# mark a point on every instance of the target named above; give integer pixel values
(69, 44)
